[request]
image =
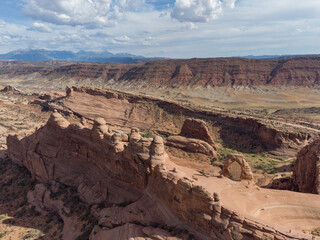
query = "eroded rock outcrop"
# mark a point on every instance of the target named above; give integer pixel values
(69, 92)
(194, 137)
(131, 177)
(12, 89)
(191, 145)
(246, 133)
(246, 173)
(306, 172)
(41, 198)
(196, 128)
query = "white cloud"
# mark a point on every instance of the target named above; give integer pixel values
(79, 12)
(149, 41)
(2, 23)
(199, 10)
(190, 26)
(241, 27)
(40, 27)
(230, 3)
(122, 39)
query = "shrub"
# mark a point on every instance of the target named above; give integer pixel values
(147, 135)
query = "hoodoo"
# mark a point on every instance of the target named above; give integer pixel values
(135, 188)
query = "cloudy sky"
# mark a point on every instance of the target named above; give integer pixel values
(164, 28)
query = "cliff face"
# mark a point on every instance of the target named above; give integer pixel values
(228, 72)
(133, 178)
(303, 71)
(128, 110)
(306, 172)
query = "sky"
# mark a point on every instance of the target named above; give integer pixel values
(164, 28)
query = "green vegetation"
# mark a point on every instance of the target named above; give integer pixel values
(147, 134)
(174, 231)
(32, 234)
(213, 161)
(3, 216)
(2, 234)
(264, 161)
(268, 167)
(316, 232)
(225, 152)
(265, 111)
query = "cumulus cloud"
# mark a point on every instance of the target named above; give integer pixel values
(122, 39)
(168, 28)
(40, 27)
(79, 12)
(199, 10)
(2, 23)
(230, 3)
(149, 41)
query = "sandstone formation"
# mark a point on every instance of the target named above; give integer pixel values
(11, 89)
(40, 197)
(126, 110)
(139, 188)
(295, 71)
(306, 172)
(191, 145)
(69, 91)
(226, 72)
(246, 173)
(196, 128)
(194, 137)
(49, 96)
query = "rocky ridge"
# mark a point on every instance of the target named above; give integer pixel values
(245, 132)
(125, 110)
(210, 72)
(137, 183)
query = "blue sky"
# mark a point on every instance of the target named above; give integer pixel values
(165, 28)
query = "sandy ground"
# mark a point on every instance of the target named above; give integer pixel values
(291, 212)
(17, 114)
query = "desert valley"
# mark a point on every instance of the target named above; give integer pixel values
(204, 148)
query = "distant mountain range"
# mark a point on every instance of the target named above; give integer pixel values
(104, 57)
(82, 56)
(279, 56)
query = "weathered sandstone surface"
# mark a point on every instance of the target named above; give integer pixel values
(195, 128)
(194, 137)
(306, 172)
(126, 110)
(140, 188)
(246, 173)
(191, 145)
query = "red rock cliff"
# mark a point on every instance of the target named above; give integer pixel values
(299, 71)
(306, 172)
(110, 167)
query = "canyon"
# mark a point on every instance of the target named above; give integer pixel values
(223, 148)
(296, 71)
(117, 169)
